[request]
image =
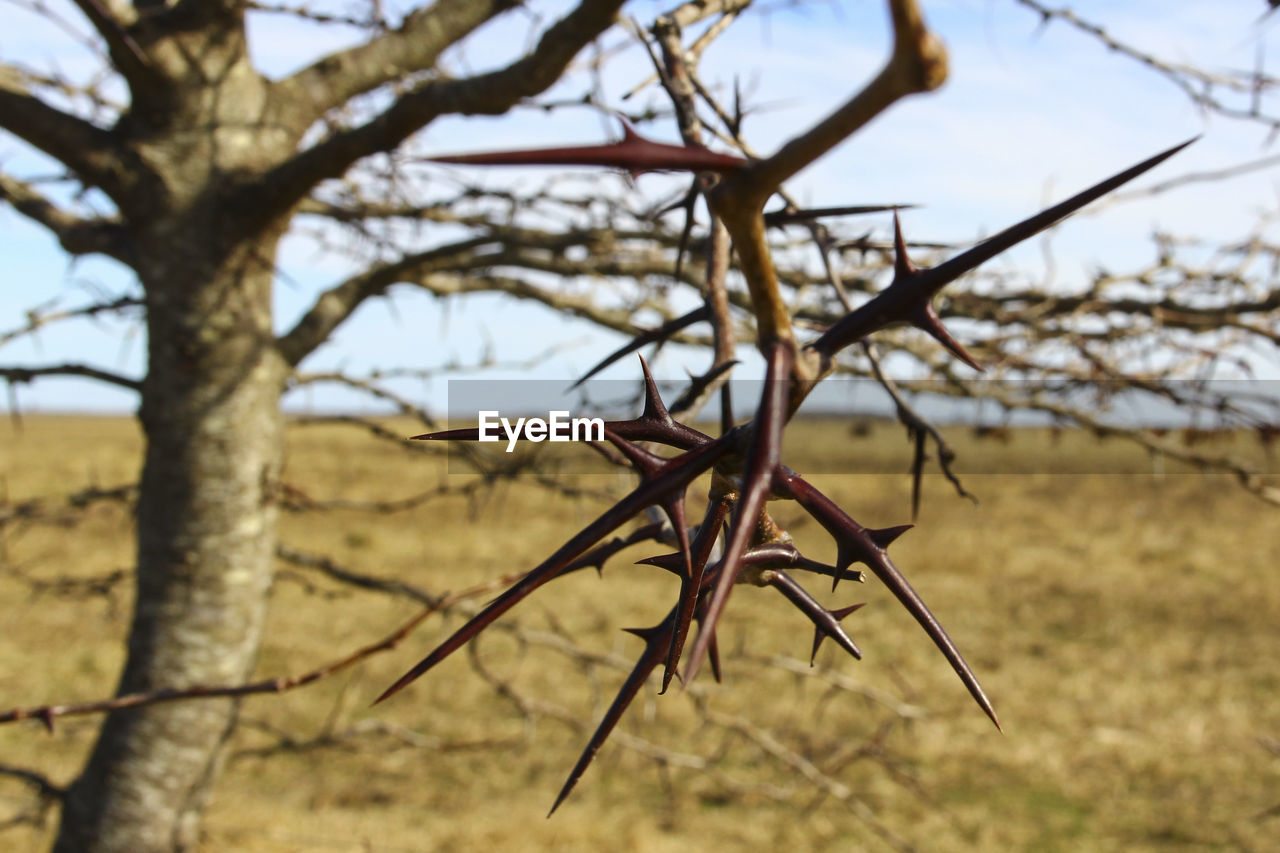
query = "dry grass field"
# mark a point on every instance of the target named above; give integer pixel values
(1126, 626)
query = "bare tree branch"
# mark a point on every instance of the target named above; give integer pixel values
(22, 374)
(337, 304)
(415, 46)
(78, 236)
(112, 20)
(48, 713)
(491, 93)
(91, 152)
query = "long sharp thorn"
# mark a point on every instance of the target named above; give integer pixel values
(902, 265)
(691, 584)
(844, 529)
(713, 657)
(825, 622)
(464, 434)
(655, 422)
(777, 218)
(757, 477)
(598, 556)
(917, 472)
(656, 639)
(649, 466)
(681, 471)
(661, 333)
(654, 408)
(986, 250)
(886, 536)
(926, 319)
(910, 599)
(633, 153)
(911, 288)
(687, 231)
(820, 632)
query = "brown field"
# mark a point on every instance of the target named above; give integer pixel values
(1127, 627)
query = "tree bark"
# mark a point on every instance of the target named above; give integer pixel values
(206, 538)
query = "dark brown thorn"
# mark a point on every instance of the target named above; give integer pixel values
(678, 473)
(713, 657)
(656, 640)
(649, 466)
(655, 422)
(986, 250)
(464, 434)
(845, 530)
(700, 613)
(687, 231)
(779, 555)
(886, 536)
(902, 266)
(661, 333)
(673, 563)
(927, 319)
(598, 556)
(908, 293)
(691, 583)
(654, 408)
(889, 575)
(698, 384)
(825, 623)
(757, 476)
(784, 216)
(819, 634)
(633, 153)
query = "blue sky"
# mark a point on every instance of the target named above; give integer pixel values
(1028, 116)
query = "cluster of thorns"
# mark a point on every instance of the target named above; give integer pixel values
(745, 460)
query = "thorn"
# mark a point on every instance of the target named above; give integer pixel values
(886, 536)
(677, 474)
(845, 530)
(757, 478)
(464, 434)
(912, 288)
(825, 622)
(655, 640)
(654, 408)
(926, 319)
(633, 153)
(902, 266)
(819, 634)
(917, 470)
(657, 335)
(673, 563)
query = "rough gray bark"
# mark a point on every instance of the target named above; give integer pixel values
(206, 167)
(206, 537)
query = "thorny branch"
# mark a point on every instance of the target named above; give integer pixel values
(1014, 328)
(745, 460)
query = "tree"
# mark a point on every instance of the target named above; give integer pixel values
(207, 165)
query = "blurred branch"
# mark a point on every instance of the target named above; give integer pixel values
(22, 375)
(48, 713)
(77, 236)
(1198, 84)
(414, 46)
(38, 317)
(486, 94)
(89, 151)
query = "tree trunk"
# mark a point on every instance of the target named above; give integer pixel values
(206, 537)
